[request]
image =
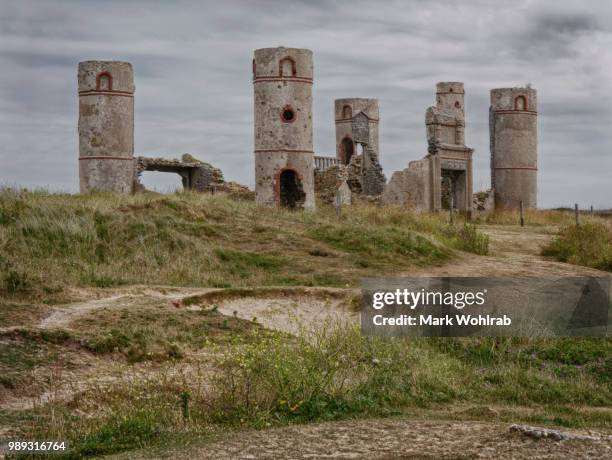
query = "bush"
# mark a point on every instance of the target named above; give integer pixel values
(116, 435)
(15, 282)
(469, 239)
(589, 244)
(327, 374)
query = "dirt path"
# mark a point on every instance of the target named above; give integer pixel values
(515, 252)
(397, 438)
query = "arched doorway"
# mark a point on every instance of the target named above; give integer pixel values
(290, 189)
(348, 148)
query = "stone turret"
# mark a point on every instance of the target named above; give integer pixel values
(284, 158)
(346, 111)
(513, 126)
(106, 126)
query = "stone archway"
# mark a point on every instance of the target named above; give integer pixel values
(348, 149)
(291, 192)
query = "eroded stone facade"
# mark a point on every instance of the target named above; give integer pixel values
(106, 126)
(284, 158)
(442, 179)
(195, 174)
(357, 151)
(513, 125)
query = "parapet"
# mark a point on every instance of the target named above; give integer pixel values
(347, 108)
(281, 62)
(444, 87)
(517, 98)
(96, 76)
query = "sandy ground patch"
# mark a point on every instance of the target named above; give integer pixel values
(392, 439)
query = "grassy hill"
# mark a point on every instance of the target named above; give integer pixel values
(139, 371)
(50, 241)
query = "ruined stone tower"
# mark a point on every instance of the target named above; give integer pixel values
(106, 126)
(513, 130)
(284, 169)
(348, 112)
(450, 159)
(444, 177)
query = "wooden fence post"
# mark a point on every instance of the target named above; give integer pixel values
(576, 212)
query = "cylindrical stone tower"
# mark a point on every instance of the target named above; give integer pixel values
(513, 130)
(284, 158)
(106, 126)
(344, 111)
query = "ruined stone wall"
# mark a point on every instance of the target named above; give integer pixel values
(484, 203)
(344, 111)
(514, 146)
(195, 174)
(444, 176)
(374, 180)
(282, 80)
(106, 126)
(410, 187)
(328, 181)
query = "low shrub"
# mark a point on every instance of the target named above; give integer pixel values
(589, 244)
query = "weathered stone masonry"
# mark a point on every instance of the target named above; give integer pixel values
(106, 137)
(444, 176)
(106, 126)
(514, 146)
(195, 175)
(284, 158)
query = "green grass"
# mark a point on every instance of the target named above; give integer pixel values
(335, 373)
(588, 244)
(189, 373)
(156, 334)
(51, 241)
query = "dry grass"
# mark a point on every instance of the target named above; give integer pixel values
(50, 241)
(539, 217)
(588, 244)
(327, 374)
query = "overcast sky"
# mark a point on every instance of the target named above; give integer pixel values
(192, 63)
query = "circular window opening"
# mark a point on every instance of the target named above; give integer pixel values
(288, 115)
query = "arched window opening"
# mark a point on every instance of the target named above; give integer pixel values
(348, 149)
(347, 112)
(520, 103)
(287, 67)
(104, 82)
(290, 189)
(254, 68)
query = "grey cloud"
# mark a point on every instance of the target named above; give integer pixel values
(194, 92)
